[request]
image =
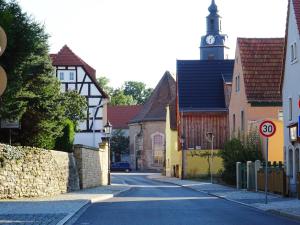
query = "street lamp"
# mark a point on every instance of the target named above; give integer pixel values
(182, 140)
(107, 131)
(210, 138)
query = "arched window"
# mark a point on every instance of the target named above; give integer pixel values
(158, 148)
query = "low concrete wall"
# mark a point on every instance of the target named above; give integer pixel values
(92, 165)
(33, 172)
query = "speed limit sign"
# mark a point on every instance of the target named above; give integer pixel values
(267, 128)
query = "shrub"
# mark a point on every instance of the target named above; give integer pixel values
(236, 150)
(65, 142)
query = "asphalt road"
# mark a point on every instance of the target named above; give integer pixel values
(154, 203)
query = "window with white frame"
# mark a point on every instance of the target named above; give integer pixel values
(290, 108)
(293, 52)
(71, 75)
(61, 75)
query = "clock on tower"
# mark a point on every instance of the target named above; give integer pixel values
(212, 44)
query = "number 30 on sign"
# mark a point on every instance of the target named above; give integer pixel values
(267, 128)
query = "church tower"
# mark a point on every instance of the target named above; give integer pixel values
(212, 44)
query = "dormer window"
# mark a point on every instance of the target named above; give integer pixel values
(293, 52)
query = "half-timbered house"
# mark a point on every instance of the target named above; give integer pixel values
(75, 74)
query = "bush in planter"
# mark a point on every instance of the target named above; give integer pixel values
(65, 142)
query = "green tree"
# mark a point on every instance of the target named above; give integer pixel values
(76, 106)
(26, 39)
(119, 144)
(44, 118)
(65, 142)
(119, 98)
(137, 90)
(104, 84)
(33, 94)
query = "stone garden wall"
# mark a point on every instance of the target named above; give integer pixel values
(33, 172)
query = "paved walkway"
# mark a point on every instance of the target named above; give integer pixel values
(285, 206)
(54, 210)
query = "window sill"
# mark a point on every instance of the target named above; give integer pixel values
(294, 61)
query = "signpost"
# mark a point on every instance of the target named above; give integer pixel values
(267, 129)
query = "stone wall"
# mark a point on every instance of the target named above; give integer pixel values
(33, 172)
(92, 165)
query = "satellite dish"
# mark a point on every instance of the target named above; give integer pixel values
(3, 41)
(3, 80)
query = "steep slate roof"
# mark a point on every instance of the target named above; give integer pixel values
(262, 62)
(66, 57)
(155, 107)
(201, 84)
(119, 116)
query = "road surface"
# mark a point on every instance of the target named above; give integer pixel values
(151, 202)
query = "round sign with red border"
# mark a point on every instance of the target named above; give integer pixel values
(267, 128)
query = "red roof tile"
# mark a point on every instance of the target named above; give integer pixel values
(262, 62)
(66, 57)
(296, 4)
(119, 116)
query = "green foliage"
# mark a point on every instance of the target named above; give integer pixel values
(237, 150)
(44, 119)
(27, 44)
(137, 90)
(131, 93)
(119, 144)
(75, 105)
(65, 142)
(33, 94)
(103, 83)
(119, 98)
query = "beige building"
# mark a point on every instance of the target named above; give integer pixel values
(255, 91)
(147, 129)
(255, 94)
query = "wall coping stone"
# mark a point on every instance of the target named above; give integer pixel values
(86, 147)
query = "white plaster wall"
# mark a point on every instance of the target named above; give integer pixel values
(94, 90)
(80, 74)
(87, 139)
(291, 89)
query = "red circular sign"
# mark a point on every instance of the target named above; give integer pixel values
(267, 128)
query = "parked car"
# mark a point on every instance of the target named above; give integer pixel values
(120, 166)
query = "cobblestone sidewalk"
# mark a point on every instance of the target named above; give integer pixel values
(53, 210)
(285, 206)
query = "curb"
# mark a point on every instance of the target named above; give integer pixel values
(271, 211)
(84, 206)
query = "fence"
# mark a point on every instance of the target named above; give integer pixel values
(277, 181)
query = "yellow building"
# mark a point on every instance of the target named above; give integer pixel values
(173, 156)
(195, 161)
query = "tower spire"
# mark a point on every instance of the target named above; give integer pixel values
(213, 8)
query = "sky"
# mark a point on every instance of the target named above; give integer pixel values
(140, 39)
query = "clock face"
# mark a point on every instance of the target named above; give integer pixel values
(210, 39)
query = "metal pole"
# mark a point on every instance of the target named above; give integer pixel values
(108, 172)
(211, 158)
(266, 172)
(182, 162)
